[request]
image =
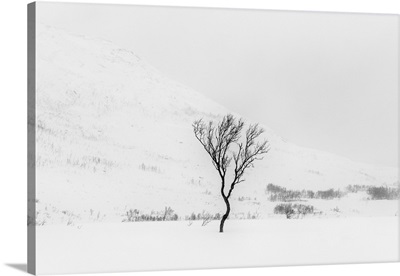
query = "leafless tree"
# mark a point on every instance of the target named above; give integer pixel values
(223, 144)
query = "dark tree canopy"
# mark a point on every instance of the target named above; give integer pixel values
(223, 143)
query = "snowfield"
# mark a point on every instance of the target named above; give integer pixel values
(175, 245)
(113, 135)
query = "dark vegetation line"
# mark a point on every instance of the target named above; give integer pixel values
(278, 193)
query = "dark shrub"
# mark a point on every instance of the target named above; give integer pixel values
(284, 209)
(290, 210)
(383, 193)
(304, 209)
(310, 194)
(271, 188)
(356, 188)
(277, 193)
(192, 216)
(329, 194)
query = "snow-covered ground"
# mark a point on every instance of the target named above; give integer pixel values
(176, 245)
(114, 135)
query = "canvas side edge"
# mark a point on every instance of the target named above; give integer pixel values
(31, 139)
(398, 125)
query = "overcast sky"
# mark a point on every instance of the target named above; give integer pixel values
(327, 81)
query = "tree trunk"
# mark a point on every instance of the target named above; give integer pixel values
(224, 217)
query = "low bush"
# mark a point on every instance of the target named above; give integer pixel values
(293, 210)
(377, 193)
(329, 194)
(356, 188)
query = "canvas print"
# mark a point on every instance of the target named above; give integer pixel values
(190, 138)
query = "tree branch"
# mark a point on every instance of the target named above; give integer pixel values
(217, 141)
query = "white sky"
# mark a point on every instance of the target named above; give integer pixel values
(327, 81)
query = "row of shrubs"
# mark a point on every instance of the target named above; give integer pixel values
(288, 209)
(167, 214)
(278, 193)
(356, 188)
(203, 216)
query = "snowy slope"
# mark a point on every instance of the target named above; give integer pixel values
(113, 134)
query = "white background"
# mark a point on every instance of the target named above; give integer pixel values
(13, 131)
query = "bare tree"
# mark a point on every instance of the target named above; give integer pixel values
(222, 143)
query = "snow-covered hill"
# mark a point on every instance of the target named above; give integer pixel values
(114, 134)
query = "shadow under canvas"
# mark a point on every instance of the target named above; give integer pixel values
(20, 267)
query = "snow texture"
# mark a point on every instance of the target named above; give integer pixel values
(175, 245)
(113, 135)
